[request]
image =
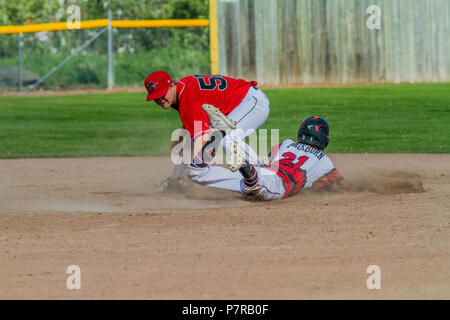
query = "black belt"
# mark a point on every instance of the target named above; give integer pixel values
(255, 87)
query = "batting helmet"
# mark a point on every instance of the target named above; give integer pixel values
(314, 131)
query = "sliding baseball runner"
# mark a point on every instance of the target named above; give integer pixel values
(294, 165)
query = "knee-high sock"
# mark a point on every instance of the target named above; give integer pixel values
(249, 173)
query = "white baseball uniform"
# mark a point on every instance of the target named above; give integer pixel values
(294, 166)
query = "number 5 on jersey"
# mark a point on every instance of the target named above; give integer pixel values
(210, 82)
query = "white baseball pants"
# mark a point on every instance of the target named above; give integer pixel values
(249, 115)
(269, 187)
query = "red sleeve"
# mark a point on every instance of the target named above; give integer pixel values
(333, 175)
(327, 180)
(194, 119)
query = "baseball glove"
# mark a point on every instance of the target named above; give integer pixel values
(172, 184)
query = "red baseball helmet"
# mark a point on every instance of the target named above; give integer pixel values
(157, 84)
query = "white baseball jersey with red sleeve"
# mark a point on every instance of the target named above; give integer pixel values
(300, 166)
(294, 166)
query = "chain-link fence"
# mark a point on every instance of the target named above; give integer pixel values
(136, 53)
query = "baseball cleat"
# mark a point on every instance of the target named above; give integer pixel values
(217, 119)
(234, 158)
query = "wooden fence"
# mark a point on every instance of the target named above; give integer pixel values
(281, 42)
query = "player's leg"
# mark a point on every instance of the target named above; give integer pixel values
(214, 176)
(253, 183)
(249, 115)
(252, 112)
(260, 183)
(257, 183)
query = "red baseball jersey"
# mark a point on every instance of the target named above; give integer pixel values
(222, 92)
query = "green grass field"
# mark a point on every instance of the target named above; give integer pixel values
(384, 118)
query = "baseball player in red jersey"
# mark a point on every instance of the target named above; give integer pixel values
(203, 100)
(293, 166)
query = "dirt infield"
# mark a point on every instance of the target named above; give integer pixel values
(132, 243)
